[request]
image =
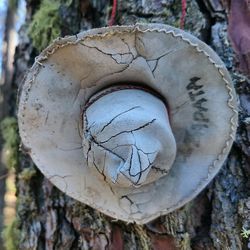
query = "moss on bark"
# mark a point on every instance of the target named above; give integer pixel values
(46, 23)
(9, 132)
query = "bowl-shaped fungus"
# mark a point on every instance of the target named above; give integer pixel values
(133, 121)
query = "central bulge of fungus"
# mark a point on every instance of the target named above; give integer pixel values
(127, 138)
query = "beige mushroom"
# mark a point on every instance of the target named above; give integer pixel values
(132, 120)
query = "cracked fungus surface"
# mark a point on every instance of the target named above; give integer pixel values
(127, 138)
(182, 69)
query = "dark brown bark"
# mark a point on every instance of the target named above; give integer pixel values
(48, 219)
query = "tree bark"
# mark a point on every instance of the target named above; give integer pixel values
(48, 219)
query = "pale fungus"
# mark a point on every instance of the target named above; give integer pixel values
(132, 120)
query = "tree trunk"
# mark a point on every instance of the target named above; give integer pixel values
(48, 219)
(8, 49)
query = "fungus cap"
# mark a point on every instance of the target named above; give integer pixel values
(184, 71)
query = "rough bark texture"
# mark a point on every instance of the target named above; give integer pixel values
(48, 219)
